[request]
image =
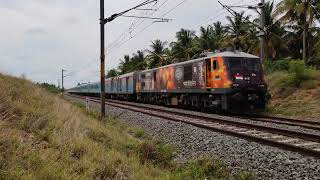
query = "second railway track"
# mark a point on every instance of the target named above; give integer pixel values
(305, 143)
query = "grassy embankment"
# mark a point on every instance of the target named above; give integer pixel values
(43, 136)
(295, 90)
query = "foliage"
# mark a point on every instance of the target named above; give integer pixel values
(273, 66)
(289, 101)
(238, 29)
(207, 168)
(185, 47)
(298, 73)
(135, 63)
(50, 87)
(158, 54)
(155, 152)
(301, 14)
(112, 73)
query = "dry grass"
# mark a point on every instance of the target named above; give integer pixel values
(302, 102)
(43, 136)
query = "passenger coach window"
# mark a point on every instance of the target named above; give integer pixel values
(187, 73)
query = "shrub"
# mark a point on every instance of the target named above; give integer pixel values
(157, 153)
(273, 66)
(203, 168)
(298, 73)
(137, 132)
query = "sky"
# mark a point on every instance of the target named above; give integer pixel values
(40, 37)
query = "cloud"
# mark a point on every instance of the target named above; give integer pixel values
(70, 20)
(36, 31)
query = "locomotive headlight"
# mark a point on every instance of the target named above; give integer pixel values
(236, 85)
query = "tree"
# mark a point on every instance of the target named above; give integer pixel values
(275, 43)
(207, 40)
(184, 48)
(138, 61)
(157, 54)
(112, 73)
(238, 29)
(219, 33)
(300, 12)
(124, 65)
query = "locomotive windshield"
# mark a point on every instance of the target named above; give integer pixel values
(251, 64)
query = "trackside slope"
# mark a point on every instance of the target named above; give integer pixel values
(296, 102)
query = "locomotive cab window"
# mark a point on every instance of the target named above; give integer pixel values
(215, 65)
(154, 76)
(250, 64)
(187, 73)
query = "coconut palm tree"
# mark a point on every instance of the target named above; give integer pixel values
(158, 54)
(206, 39)
(299, 12)
(184, 48)
(138, 61)
(275, 43)
(219, 33)
(124, 65)
(112, 73)
(238, 29)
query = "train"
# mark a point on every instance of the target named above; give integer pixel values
(228, 81)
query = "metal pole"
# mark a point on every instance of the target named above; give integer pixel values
(262, 38)
(62, 77)
(304, 35)
(102, 65)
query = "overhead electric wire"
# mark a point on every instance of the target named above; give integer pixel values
(72, 73)
(123, 34)
(135, 27)
(146, 27)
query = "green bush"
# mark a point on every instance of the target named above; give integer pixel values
(298, 73)
(273, 66)
(157, 153)
(204, 168)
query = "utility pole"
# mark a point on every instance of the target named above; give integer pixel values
(104, 21)
(263, 34)
(62, 79)
(102, 59)
(59, 83)
(305, 27)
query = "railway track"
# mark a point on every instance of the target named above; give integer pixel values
(285, 121)
(305, 143)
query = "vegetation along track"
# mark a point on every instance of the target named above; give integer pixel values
(305, 143)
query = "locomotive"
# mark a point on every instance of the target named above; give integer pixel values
(227, 81)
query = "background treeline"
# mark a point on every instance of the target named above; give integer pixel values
(291, 32)
(50, 87)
